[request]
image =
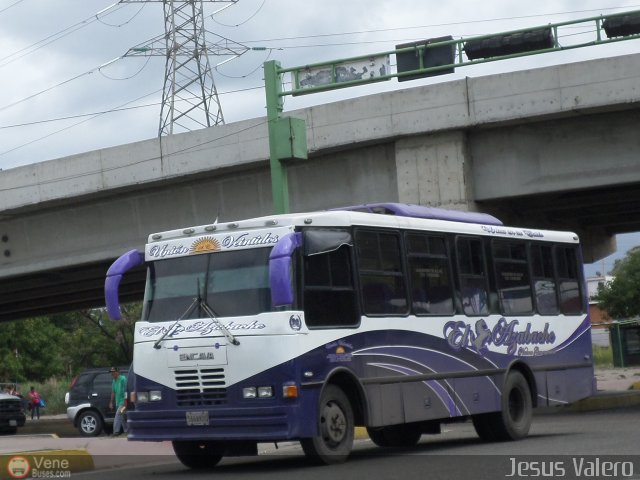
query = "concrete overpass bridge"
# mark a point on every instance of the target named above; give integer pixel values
(554, 147)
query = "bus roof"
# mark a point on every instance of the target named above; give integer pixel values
(390, 215)
(421, 211)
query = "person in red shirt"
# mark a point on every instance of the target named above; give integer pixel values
(34, 401)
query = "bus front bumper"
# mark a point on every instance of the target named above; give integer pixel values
(262, 424)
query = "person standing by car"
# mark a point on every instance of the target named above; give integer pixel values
(34, 402)
(118, 398)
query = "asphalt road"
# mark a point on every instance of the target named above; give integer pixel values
(59, 426)
(562, 445)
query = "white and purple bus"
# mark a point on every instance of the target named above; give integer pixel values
(393, 317)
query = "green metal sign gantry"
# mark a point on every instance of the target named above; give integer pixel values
(287, 135)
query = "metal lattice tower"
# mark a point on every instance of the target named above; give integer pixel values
(189, 98)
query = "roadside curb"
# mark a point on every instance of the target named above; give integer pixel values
(606, 401)
(60, 461)
(360, 433)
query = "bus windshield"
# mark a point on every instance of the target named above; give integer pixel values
(233, 283)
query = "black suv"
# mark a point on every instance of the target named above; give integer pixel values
(88, 400)
(11, 413)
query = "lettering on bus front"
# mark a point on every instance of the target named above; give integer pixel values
(203, 328)
(245, 240)
(460, 334)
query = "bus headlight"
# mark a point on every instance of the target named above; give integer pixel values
(265, 392)
(151, 396)
(257, 392)
(249, 392)
(143, 397)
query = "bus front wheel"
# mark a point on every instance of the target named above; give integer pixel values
(198, 455)
(336, 428)
(514, 420)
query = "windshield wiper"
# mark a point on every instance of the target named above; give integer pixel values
(214, 318)
(202, 303)
(210, 311)
(195, 302)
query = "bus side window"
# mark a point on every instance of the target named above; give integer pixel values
(568, 280)
(381, 274)
(429, 277)
(512, 277)
(472, 275)
(329, 296)
(544, 282)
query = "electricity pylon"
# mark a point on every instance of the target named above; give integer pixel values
(189, 97)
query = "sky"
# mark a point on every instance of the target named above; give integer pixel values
(67, 87)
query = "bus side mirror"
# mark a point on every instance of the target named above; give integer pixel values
(122, 265)
(280, 272)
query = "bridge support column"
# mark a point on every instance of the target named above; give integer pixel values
(435, 170)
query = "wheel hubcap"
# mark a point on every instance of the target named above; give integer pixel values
(88, 424)
(333, 423)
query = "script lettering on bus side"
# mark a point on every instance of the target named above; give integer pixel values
(512, 232)
(460, 334)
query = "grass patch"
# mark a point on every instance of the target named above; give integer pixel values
(52, 392)
(602, 356)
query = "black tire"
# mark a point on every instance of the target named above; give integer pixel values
(9, 430)
(395, 435)
(482, 424)
(514, 420)
(336, 425)
(90, 424)
(198, 455)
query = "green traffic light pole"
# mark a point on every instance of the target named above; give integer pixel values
(287, 136)
(275, 105)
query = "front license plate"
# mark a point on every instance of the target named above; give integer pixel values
(197, 418)
(13, 423)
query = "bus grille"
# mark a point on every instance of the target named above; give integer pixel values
(200, 387)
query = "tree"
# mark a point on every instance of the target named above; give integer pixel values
(96, 340)
(620, 298)
(30, 349)
(36, 349)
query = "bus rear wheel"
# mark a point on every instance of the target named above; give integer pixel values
(514, 420)
(395, 435)
(198, 455)
(336, 426)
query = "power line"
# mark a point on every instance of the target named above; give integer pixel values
(434, 25)
(97, 15)
(12, 5)
(387, 40)
(112, 110)
(244, 21)
(118, 6)
(70, 126)
(88, 72)
(58, 35)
